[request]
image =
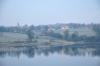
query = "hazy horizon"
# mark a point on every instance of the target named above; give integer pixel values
(42, 12)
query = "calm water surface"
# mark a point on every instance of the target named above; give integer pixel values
(50, 56)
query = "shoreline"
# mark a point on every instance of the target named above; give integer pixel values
(14, 44)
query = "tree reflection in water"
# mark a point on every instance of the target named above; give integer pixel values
(30, 52)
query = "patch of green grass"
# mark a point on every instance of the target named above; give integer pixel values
(11, 37)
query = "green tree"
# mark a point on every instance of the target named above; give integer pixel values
(66, 34)
(75, 36)
(30, 35)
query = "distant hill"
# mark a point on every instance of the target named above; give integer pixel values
(68, 32)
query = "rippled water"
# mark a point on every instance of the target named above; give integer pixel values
(50, 56)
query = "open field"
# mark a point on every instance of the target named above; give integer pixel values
(12, 37)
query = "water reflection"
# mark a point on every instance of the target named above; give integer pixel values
(83, 50)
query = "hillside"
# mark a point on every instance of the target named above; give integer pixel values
(50, 34)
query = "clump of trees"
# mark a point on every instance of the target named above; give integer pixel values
(66, 35)
(54, 34)
(96, 28)
(30, 35)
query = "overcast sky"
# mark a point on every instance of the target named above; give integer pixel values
(48, 11)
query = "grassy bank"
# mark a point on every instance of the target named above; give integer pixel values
(17, 39)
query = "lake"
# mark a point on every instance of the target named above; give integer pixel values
(75, 55)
